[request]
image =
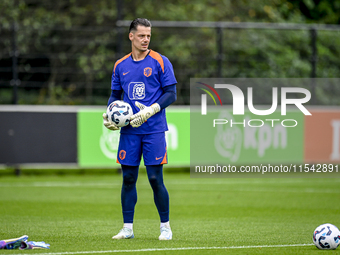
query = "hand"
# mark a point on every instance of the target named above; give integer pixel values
(145, 112)
(108, 124)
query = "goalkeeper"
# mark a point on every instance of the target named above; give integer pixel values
(148, 84)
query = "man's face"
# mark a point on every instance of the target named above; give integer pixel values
(140, 39)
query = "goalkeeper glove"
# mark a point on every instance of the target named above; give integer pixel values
(145, 112)
(34, 245)
(108, 124)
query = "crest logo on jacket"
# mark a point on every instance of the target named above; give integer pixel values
(147, 71)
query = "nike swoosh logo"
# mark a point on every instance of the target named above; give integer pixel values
(126, 73)
(158, 158)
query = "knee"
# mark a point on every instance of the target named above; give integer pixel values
(129, 180)
(155, 182)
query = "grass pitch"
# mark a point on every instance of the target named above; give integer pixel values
(78, 214)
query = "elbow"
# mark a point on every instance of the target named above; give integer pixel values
(174, 97)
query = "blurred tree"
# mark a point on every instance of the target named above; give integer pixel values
(75, 36)
(318, 11)
(68, 47)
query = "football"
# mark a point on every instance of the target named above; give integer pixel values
(119, 112)
(326, 237)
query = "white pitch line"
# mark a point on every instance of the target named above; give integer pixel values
(169, 249)
(60, 184)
